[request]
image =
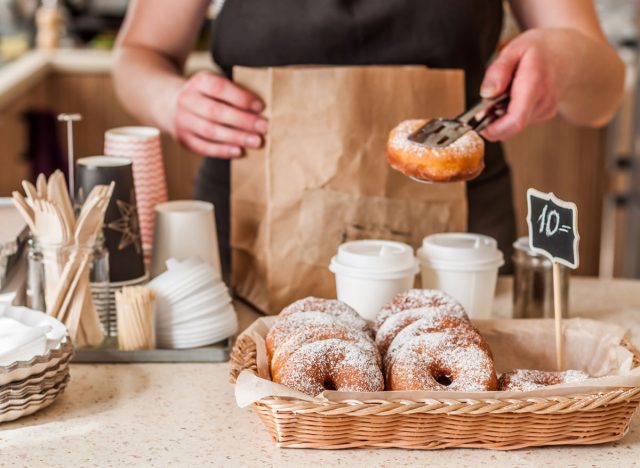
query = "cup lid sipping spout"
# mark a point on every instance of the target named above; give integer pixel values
(461, 247)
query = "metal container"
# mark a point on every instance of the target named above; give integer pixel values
(13, 238)
(533, 283)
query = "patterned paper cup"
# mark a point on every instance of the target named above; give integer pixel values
(142, 146)
(121, 226)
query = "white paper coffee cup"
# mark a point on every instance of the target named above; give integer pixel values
(184, 229)
(369, 273)
(463, 265)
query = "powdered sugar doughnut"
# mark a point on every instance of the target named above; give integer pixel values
(434, 324)
(523, 380)
(311, 332)
(445, 360)
(287, 326)
(331, 365)
(332, 307)
(461, 160)
(438, 318)
(417, 299)
(319, 344)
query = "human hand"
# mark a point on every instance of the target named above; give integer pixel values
(217, 118)
(533, 65)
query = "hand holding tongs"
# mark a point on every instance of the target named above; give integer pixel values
(438, 133)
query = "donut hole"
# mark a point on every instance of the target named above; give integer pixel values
(328, 384)
(444, 380)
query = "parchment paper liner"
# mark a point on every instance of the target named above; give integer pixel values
(592, 346)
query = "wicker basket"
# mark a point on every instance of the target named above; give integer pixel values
(502, 424)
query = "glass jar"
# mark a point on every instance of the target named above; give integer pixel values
(533, 283)
(100, 287)
(35, 277)
(45, 265)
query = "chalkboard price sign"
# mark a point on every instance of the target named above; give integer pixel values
(553, 227)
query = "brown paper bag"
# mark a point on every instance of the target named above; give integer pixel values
(322, 177)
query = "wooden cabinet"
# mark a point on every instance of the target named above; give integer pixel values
(14, 138)
(93, 96)
(569, 161)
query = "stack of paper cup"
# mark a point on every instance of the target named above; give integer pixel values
(370, 272)
(463, 265)
(142, 146)
(193, 306)
(185, 229)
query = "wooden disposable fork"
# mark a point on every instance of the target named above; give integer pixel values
(49, 223)
(25, 210)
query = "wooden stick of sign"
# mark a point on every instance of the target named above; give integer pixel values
(558, 314)
(553, 232)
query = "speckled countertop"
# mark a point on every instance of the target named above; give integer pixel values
(185, 415)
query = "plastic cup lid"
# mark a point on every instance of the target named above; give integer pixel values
(460, 247)
(378, 255)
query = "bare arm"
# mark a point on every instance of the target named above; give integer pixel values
(562, 64)
(207, 113)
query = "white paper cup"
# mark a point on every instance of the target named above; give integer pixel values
(184, 229)
(463, 265)
(369, 273)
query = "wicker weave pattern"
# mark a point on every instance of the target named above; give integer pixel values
(501, 424)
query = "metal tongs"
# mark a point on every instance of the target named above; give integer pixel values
(438, 133)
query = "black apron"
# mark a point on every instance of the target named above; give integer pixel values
(439, 34)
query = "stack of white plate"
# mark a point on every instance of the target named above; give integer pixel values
(193, 306)
(35, 354)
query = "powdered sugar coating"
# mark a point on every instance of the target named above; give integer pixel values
(311, 332)
(524, 380)
(419, 298)
(288, 325)
(396, 323)
(467, 144)
(319, 344)
(424, 359)
(331, 364)
(332, 307)
(464, 331)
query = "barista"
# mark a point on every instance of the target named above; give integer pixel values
(560, 64)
